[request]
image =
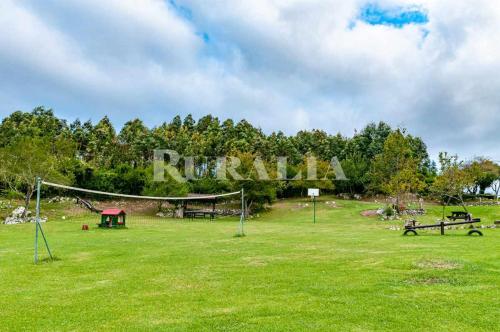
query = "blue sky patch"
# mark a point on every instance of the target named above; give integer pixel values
(205, 36)
(182, 11)
(397, 17)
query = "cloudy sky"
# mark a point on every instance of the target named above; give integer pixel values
(432, 66)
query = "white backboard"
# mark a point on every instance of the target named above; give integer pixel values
(313, 192)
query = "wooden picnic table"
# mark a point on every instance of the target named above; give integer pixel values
(459, 215)
(193, 214)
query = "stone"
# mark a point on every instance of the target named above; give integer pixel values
(11, 221)
(19, 211)
(16, 217)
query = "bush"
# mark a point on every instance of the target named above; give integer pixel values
(389, 211)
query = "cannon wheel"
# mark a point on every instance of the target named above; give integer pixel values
(410, 231)
(475, 231)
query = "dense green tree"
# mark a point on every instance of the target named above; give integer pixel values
(395, 169)
(452, 180)
(40, 123)
(356, 169)
(103, 143)
(105, 160)
(137, 143)
(370, 141)
(483, 172)
(27, 158)
(495, 186)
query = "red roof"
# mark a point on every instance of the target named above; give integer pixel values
(112, 212)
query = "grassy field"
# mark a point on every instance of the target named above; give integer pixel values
(346, 273)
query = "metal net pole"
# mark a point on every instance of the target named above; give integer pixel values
(37, 222)
(242, 218)
(38, 184)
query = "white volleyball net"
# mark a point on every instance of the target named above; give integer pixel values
(91, 207)
(99, 209)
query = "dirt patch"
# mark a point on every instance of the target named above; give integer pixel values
(369, 213)
(439, 265)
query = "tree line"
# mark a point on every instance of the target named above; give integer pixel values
(377, 159)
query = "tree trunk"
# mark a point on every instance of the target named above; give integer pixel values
(27, 200)
(248, 206)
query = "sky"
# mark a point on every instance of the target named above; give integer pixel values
(431, 66)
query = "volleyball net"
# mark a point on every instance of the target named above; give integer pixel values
(101, 209)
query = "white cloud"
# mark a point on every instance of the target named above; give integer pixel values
(285, 65)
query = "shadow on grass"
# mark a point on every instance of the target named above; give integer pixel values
(47, 260)
(110, 228)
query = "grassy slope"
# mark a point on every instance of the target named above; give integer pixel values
(347, 272)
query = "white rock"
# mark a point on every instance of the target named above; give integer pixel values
(12, 221)
(18, 212)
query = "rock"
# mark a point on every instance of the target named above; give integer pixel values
(11, 221)
(59, 199)
(19, 211)
(344, 196)
(16, 217)
(331, 203)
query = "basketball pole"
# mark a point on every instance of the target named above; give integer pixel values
(314, 209)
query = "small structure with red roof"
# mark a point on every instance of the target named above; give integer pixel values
(112, 218)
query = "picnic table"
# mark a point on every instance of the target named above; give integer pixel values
(459, 215)
(193, 214)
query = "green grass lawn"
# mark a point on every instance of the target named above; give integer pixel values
(345, 273)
